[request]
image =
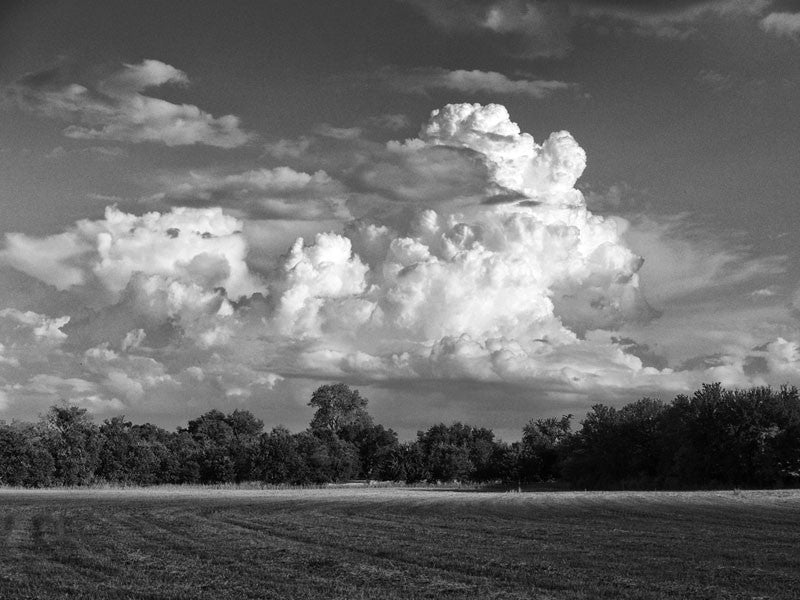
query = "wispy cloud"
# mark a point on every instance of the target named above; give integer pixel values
(689, 263)
(524, 28)
(471, 82)
(714, 80)
(664, 19)
(390, 121)
(279, 193)
(536, 28)
(782, 24)
(116, 108)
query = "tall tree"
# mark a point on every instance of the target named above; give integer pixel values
(340, 410)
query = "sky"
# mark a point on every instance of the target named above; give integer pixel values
(477, 211)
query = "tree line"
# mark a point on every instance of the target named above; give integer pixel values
(714, 438)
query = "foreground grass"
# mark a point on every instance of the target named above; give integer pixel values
(395, 543)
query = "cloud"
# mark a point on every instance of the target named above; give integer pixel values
(201, 246)
(376, 174)
(527, 29)
(667, 20)
(279, 193)
(41, 326)
(466, 257)
(471, 82)
(106, 152)
(782, 24)
(117, 109)
(390, 121)
(687, 262)
(47, 259)
(536, 28)
(545, 173)
(469, 288)
(339, 133)
(618, 198)
(714, 80)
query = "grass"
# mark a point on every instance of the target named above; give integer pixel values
(397, 543)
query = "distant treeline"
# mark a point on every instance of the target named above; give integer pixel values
(715, 438)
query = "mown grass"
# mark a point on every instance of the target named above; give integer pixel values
(396, 543)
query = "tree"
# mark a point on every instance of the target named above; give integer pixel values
(339, 410)
(24, 460)
(244, 445)
(188, 455)
(457, 452)
(116, 450)
(228, 445)
(594, 451)
(315, 466)
(343, 458)
(374, 444)
(74, 442)
(735, 437)
(404, 462)
(278, 458)
(541, 448)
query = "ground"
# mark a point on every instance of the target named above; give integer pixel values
(397, 543)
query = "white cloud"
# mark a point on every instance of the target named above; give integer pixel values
(782, 24)
(118, 110)
(783, 357)
(41, 326)
(467, 289)
(477, 261)
(279, 193)
(48, 259)
(196, 246)
(545, 173)
(471, 82)
(685, 261)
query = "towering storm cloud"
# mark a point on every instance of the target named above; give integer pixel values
(504, 286)
(506, 278)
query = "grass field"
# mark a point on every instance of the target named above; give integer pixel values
(396, 543)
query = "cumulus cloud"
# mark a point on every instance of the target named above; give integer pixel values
(41, 326)
(546, 173)
(116, 108)
(473, 286)
(197, 246)
(483, 264)
(783, 357)
(471, 82)
(782, 24)
(498, 275)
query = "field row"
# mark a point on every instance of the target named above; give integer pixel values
(396, 543)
